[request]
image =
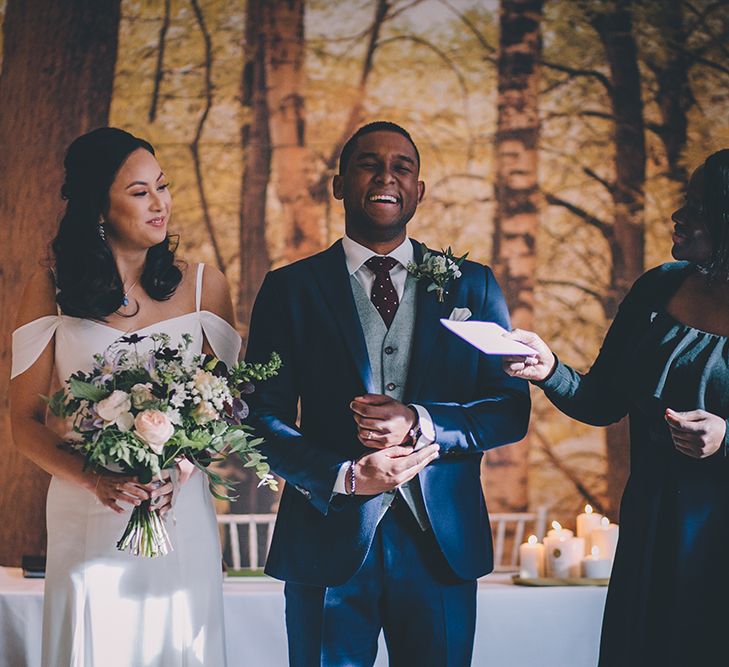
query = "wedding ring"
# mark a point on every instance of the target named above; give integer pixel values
(369, 435)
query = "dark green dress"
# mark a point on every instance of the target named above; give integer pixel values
(668, 601)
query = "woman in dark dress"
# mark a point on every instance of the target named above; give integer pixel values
(665, 363)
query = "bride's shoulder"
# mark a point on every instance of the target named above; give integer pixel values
(39, 298)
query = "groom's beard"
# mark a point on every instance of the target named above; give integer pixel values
(360, 226)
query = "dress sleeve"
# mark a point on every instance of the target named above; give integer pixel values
(223, 338)
(599, 397)
(30, 340)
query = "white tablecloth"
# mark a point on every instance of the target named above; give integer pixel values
(516, 626)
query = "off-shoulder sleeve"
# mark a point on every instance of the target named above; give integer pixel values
(30, 340)
(223, 338)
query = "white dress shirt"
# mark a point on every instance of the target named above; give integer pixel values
(356, 255)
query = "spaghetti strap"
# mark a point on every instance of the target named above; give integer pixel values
(198, 286)
(52, 271)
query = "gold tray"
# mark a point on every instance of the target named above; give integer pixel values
(245, 572)
(556, 581)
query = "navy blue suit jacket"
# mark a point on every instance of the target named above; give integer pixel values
(306, 312)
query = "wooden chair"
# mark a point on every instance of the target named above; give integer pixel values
(233, 522)
(509, 530)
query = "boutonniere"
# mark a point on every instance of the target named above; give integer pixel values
(440, 268)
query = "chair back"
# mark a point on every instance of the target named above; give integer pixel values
(509, 529)
(250, 522)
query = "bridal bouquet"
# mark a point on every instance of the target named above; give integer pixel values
(140, 412)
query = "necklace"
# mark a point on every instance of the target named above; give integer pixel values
(125, 299)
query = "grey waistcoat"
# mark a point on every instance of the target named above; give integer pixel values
(389, 355)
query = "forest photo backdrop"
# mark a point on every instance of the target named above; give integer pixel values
(556, 140)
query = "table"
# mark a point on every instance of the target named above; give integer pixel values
(516, 626)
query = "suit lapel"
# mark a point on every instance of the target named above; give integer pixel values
(332, 278)
(426, 331)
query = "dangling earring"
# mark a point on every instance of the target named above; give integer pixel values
(102, 231)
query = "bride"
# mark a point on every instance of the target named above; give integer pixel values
(115, 273)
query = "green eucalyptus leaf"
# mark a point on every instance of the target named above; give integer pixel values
(86, 390)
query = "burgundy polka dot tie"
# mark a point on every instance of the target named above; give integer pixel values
(384, 296)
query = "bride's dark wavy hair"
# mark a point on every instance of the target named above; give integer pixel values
(87, 279)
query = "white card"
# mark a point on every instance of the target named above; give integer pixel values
(487, 337)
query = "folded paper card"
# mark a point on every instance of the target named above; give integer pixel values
(487, 337)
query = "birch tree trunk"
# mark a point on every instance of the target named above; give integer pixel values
(283, 25)
(56, 83)
(516, 219)
(674, 96)
(256, 142)
(628, 231)
(254, 254)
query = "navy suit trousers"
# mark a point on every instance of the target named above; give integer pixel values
(405, 587)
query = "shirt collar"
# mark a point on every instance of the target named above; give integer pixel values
(356, 254)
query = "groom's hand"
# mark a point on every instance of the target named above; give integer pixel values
(382, 421)
(385, 469)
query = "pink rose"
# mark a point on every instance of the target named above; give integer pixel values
(154, 428)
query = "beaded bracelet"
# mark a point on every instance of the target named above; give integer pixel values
(352, 482)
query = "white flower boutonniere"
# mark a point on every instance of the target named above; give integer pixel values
(440, 268)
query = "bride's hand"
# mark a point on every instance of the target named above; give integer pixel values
(536, 367)
(163, 494)
(111, 489)
(160, 492)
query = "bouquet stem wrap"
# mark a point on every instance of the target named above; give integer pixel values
(145, 534)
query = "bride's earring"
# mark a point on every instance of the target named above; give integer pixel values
(102, 231)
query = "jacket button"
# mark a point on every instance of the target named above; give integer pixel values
(389, 350)
(391, 386)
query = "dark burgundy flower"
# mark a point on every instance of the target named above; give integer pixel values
(246, 388)
(132, 339)
(166, 354)
(240, 409)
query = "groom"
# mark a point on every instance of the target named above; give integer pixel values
(382, 523)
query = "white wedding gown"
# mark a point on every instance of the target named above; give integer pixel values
(104, 607)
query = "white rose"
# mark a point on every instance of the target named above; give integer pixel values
(154, 428)
(114, 405)
(438, 264)
(141, 394)
(204, 382)
(204, 412)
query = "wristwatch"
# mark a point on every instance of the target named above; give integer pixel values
(414, 433)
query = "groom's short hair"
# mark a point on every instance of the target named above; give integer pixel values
(376, 126)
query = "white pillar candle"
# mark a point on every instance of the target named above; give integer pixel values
(559, 555)
(531, 559)
(596, 567)
(577, 545)
(586, 523)
(605, 538)
(558, 531)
